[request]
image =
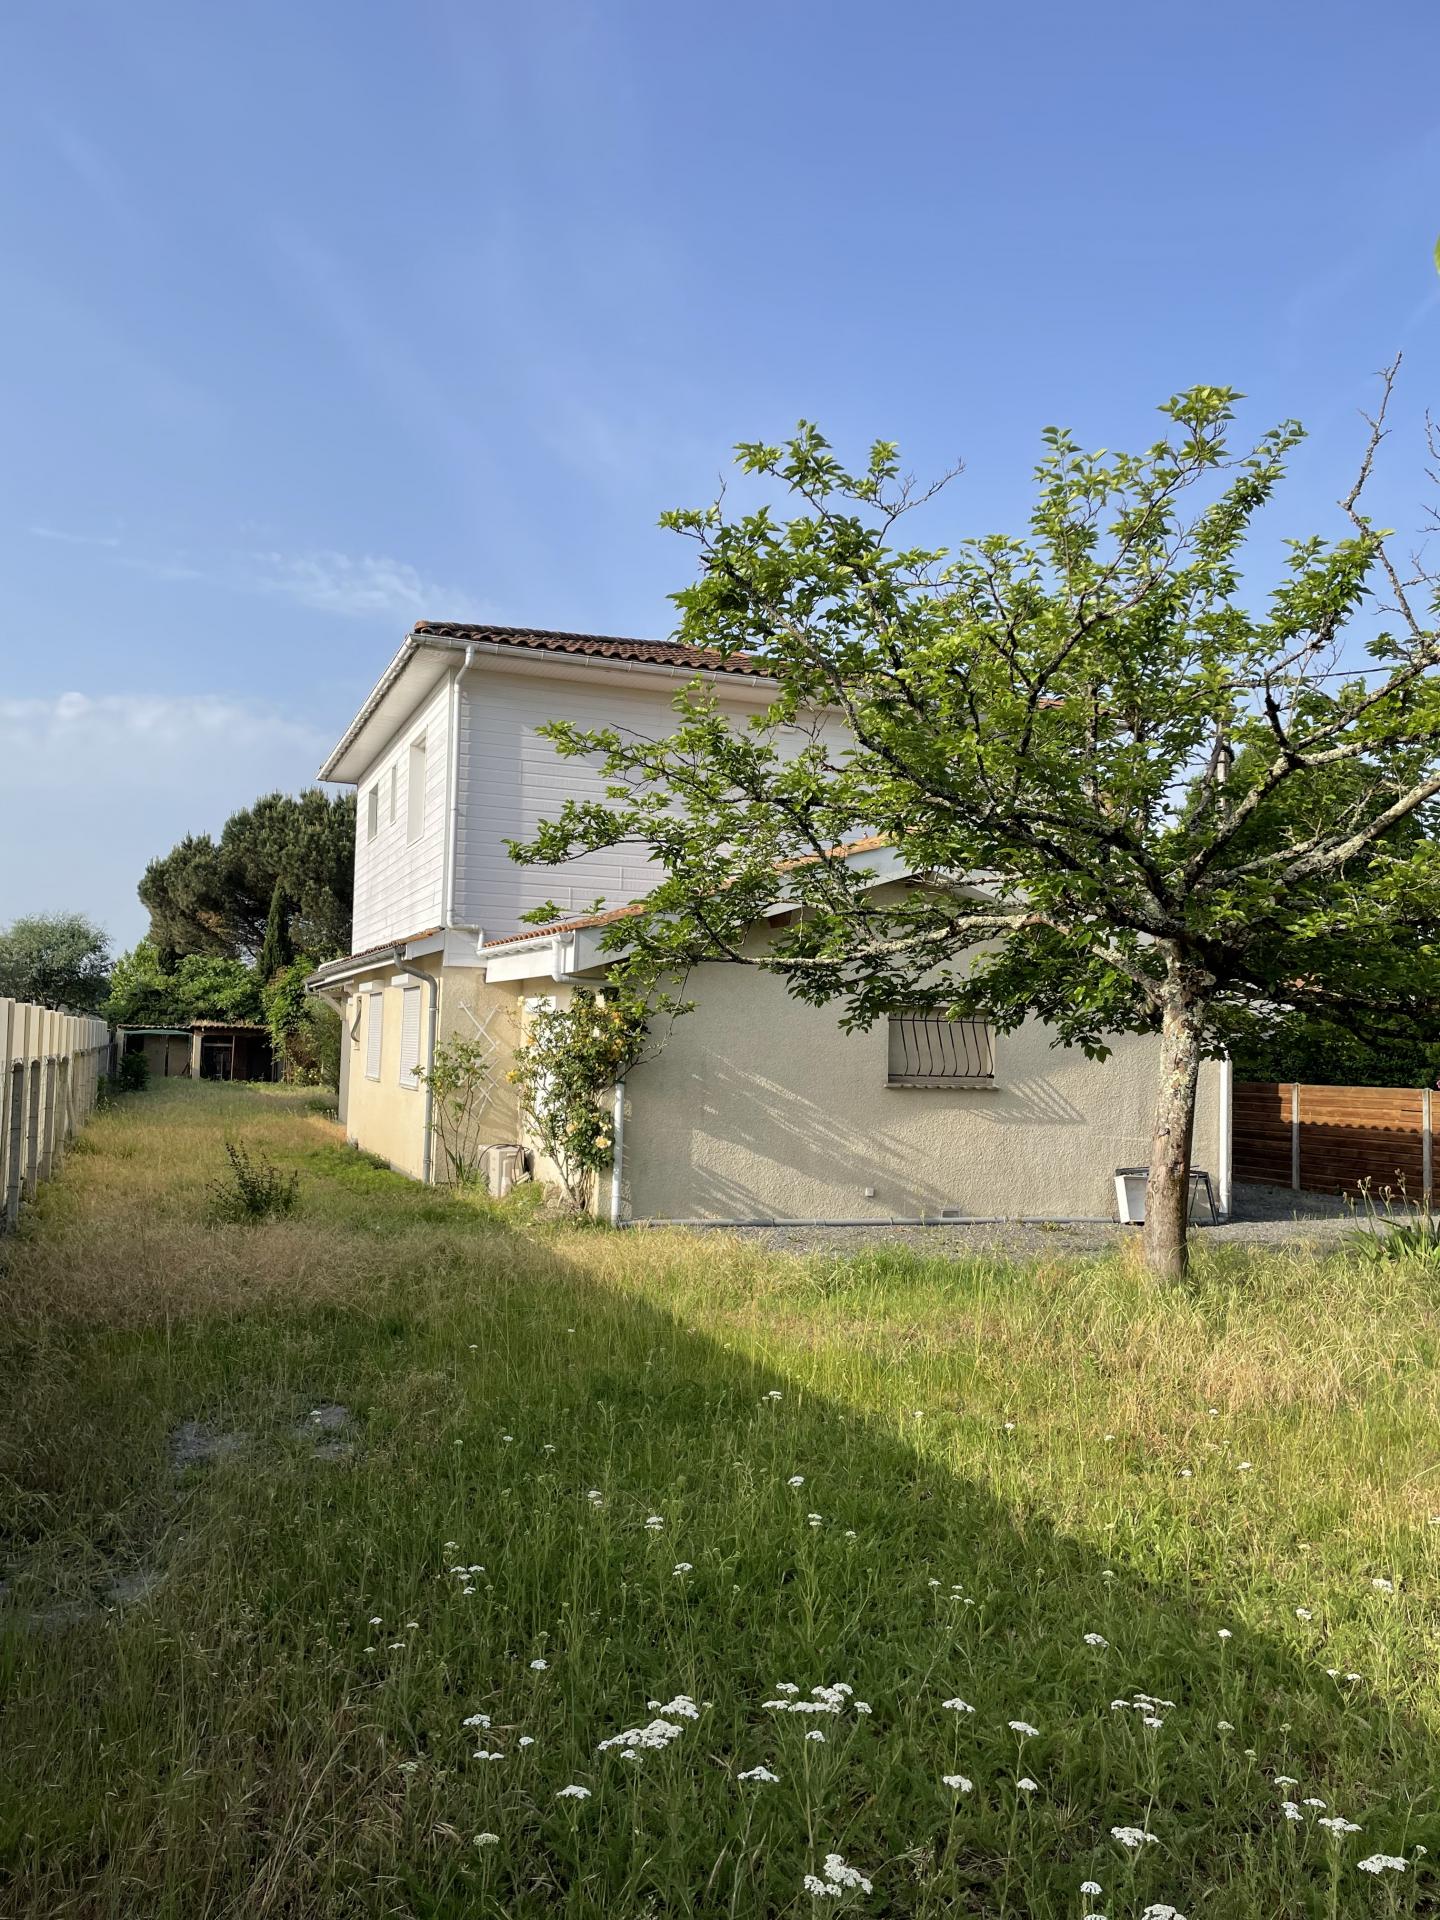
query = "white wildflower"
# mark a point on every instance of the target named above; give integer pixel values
(1286, 1780)
(1303, 1613)
(1131, 1837)
(527, 1740)
(1096, 1640)
(1382, 1585)
(683, 1566)
(476, 1720)
(786, 1686)
(1312, 1802)
(759, 1773)
(840, 1875)
(1091, 1887)
(487, 1840)
(796, 1480)
(1290, 1810)
(654, 1522)
(573, 1792)
(1225, 1726)
(1027, 1785)
(957, 1782)
(654, 1738)
(481, 1754)
(1382, 1863)
(539, 1666)
(1162, 1910)
(1224, 1633)
(1337, 1825)
(1024, 1729)
(957, 1705)
(815, 1734)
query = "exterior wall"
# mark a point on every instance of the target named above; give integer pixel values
(381, 1116)
(510, 779)
(387, 1119)
(759, 1107)
(399, 886)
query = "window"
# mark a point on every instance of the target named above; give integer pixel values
(415, 792)
(409, 1037)
(372, 813)
(927, 1050)
(394, 790)
(374, 1035)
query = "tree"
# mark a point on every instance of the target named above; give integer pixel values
(197, 987)
(277, 950)
(570, 1059)
(1130, 794)
(214, 896)
(459, 1079)
(304, 1032)
(55, 960)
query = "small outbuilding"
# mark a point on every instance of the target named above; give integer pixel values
(166, 1049)
(230, 1050)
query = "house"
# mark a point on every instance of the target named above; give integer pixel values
(757, 1107)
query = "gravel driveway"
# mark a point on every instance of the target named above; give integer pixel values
(1263, 1217)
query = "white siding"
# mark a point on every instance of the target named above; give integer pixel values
(510, 779)
(399, 882)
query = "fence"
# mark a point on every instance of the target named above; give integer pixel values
(50, 1068)
(1329, 1139)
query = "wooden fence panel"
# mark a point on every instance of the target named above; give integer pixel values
(50, 1069)
(1331, 1139)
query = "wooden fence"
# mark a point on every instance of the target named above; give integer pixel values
(1330, 1139)
(50, 1068)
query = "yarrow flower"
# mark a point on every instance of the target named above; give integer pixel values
(539, 1666)
(814, 1734)
(481, 1754)
(1290, 1810)
(1091, 1887)
(655, 1737)
(957, 1782)
(1131, 1837)
(683, 1566)
(682, 1705)
(654, 1523)
(1382, 1585)
(487, 1840)
(759, 1773)
(1162, 1910)
(1382, 1863)
(837, 1878)
(796, 1480)
(1027, 1785)
(1337, 1825)
(476, 1720)
(1096, 1640)
(957, 1705)
(1024, 1729)
(573, 1792)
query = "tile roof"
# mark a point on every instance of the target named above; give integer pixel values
(870, 844)
(668, 653)
(344, 961)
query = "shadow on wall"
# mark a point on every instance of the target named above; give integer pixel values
(739, 1117)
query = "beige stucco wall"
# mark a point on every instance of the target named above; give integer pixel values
(760, 1107)
(387, 1119)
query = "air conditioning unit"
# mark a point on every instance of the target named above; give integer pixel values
(501, 1168)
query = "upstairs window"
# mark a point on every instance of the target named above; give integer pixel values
(372, 813)
(415, 792)
(927, 1050)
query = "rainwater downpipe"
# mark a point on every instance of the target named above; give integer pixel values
(432, 985)
(617, 1154)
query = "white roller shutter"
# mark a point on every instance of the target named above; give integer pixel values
(409, 1036)
(374, 1034)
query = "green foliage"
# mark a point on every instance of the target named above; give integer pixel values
(199, 987)
(572, 1056)
(55, 960)
(252, 1187)
(277, 950)
(304, 1032)
(132, 1073)
(1279, 1044)
(215, 897)
(1128, 790)
(460, 1081)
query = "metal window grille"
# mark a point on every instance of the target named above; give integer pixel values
(927, 1050)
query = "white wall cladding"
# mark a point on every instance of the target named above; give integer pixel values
(399, 883)
(511, 779)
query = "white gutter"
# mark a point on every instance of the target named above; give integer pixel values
(452, 798)
(428, 981)
(617, 1153)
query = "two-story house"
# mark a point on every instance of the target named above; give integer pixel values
(757, 1108)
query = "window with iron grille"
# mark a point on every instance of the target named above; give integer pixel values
(928, 1050)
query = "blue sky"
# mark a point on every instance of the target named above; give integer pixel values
(322, 317)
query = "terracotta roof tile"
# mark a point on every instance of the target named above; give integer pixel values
(669, 653)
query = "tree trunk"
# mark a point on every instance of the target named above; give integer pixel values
(1167, 1197)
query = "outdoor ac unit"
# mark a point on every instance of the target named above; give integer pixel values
(500, 1168)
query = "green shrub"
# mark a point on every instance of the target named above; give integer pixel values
(253, 1187)
(132, 1074)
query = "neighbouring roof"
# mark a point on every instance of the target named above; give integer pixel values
(228, 1026)
(388, 704)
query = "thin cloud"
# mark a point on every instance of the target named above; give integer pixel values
(368, 585)
(110, 729)
(74, 539)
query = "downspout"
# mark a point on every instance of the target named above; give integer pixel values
(617, 1153)
(428, 981)
(447, 887)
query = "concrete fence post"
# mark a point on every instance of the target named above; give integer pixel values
(15, 1142)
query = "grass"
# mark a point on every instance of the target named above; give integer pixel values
(265, 1717)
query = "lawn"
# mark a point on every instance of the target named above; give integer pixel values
(642, 1574)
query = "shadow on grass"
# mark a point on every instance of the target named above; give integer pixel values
(233, 1745)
